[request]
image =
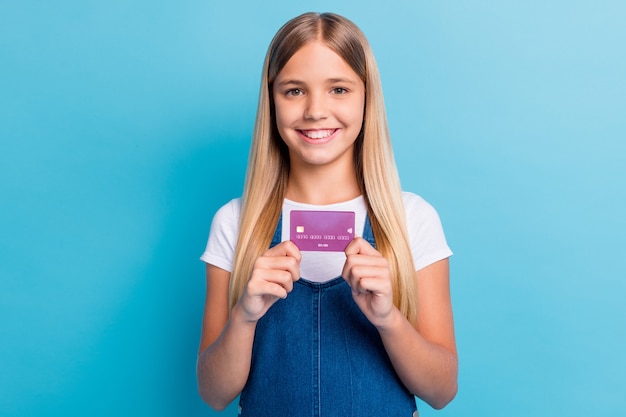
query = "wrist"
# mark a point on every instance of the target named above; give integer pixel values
(238, 317)
(391, 323)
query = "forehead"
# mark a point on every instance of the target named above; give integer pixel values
(316, 61)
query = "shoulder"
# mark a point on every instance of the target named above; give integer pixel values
(416, 206)
(222, 240)
(229, 213)
(410, 198)
(426, 235)
(225, 224)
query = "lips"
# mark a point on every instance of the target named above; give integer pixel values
(318, 135)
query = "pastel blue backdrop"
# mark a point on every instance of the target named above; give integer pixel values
(125, 124)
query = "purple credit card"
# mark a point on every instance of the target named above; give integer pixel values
(321, 230)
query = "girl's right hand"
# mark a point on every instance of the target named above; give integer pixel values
(272, 278)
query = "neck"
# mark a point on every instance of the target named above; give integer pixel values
(322, 185)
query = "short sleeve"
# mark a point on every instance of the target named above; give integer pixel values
(426, 236)
(220, 248)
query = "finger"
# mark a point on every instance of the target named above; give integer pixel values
(366, 260)
(374, 285)
(368, 278)
(360, 246)
(357, 265)
(264, 288)
(286, 248)
(279, 263)
(265, 282)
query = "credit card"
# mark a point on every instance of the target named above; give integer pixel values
(321, 230)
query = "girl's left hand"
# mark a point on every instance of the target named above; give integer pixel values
(367, 273)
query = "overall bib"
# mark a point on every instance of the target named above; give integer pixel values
(315, 354)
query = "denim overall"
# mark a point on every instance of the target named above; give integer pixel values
(316, 354)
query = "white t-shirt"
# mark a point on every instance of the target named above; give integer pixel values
(426, 237)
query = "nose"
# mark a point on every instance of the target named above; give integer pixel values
(316, 108)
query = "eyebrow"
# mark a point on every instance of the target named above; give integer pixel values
(289, 82)
(329, 81)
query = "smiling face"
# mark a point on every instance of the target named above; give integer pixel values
(319, 103)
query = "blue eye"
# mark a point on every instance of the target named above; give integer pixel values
(339, 90)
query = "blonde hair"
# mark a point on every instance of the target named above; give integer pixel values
(268, 165)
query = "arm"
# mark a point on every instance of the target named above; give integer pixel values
(423, 356)
(225, 344)
(226, 341)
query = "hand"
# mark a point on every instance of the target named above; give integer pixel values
(272, 278)
(367, 272)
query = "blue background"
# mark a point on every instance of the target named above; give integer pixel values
(125, 124)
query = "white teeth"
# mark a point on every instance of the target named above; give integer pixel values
(317, 134)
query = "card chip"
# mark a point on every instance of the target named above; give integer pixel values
(300, 229)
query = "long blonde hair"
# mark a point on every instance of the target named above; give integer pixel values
(268, 165)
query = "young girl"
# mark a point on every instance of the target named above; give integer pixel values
(305, 333)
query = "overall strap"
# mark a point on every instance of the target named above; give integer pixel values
(368, 234)
(278, 233)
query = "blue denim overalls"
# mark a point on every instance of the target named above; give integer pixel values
(316, 354)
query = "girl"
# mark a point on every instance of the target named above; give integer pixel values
(363, 330)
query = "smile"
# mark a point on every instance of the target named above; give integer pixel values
(318, 134)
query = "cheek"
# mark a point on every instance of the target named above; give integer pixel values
(353, 114)
(284, 114)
